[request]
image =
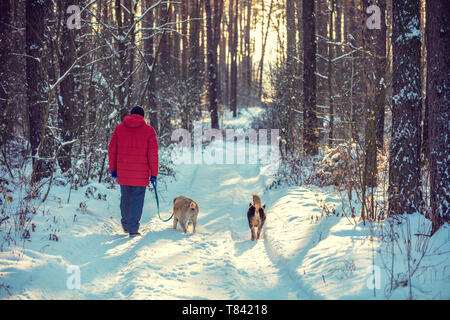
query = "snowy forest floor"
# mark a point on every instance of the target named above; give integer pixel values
(306, 252)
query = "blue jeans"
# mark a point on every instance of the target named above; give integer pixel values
(131, 204)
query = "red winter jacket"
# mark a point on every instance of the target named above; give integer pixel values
(133, 152)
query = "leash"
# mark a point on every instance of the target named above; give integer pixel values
(157, 203)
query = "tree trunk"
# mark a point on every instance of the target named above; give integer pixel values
(310, 133)
(248, 59)
(288, 125)
(438, 84)
(381, 63)
(330, 77)
(69, 108)
(184, 54)
(195, 70)
(150, 105)
(223, 71)
(5, 105)
(233, 68)
(165, 50)
(264, 42)
(36, 87)
(404, 193)
(213, 35)
(121, 48)
(373, 74)
(352, 35)
(130, 50)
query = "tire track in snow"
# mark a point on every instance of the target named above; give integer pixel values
(288, 259)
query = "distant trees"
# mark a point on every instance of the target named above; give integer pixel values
(69, 86)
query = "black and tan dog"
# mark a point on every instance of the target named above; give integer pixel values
(256, 215)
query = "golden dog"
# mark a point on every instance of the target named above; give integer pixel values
(184, 210)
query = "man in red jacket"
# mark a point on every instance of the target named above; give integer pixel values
(133, 159)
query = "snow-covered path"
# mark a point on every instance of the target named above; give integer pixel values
(304, 254)
(218, 262)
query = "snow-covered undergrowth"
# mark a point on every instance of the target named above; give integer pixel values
(312, 248)
(333, 256)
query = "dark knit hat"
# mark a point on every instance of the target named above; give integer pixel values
(137, 110)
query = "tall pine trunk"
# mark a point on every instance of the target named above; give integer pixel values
(248, 58)
(213, 35)
(151, 106)
(5, 102)
(121, 49)
(263, 50)
(381, 70)
(69, 108)
(233, 56)
(438, 100)
(35, 12)
(404, 192)
(330, 73)
(185, 40)
(373, 74)
(310, 133)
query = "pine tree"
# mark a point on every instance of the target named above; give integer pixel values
(404, 192)
(150, 58)
(233, 55)
(69, 107)
(36, 11)
(213, 35)
(310, 132)
(438, 100)
(5, 122)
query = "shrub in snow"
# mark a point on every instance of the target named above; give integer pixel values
(337, 164)
(296, 169)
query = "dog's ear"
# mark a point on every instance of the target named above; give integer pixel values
(250, 204)
(264, 206)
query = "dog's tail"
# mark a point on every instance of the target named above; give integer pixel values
(256, 201)
(193, 205)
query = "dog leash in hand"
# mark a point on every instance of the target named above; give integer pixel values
(157, 202)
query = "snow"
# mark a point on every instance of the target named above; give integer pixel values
(311, 247)
(112, 115)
